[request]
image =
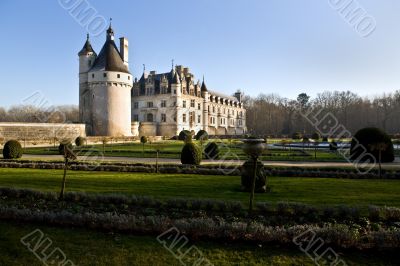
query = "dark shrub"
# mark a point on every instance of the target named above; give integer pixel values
(297, 135)
(80, 141)
(325, 139)
(315, 136)
(12, 150)
(248, 174)
(362, 141)
(183, 134)
(333, 146)
(191, 154)
(64, 146)
(202, 135)
(143, 139)
(211, 151)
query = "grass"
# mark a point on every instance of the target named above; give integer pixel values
(316, 191)
(85, 247)
(172, 149)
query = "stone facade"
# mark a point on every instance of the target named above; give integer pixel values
(112, 104)
(170, 102)
(105, 88)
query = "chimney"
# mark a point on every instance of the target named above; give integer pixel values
(123, 49)
(186, 71)
(239, 96)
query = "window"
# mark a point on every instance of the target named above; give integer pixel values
(199, 106)
(149, 104)
(135, 118)
(118, 75)
(105, 75)
(163, 103)
(149, 117)
(129, 77)
(199, 119)
(191, 117)
(213, 109)
(135, 105)
(192, 103)
(184, 104)
(174, 91)
(163, 118)
(89, 63)
(184, 118)
(92, 75)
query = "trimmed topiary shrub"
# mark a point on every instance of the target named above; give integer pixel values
(143, 139)
(12, 150)
(183, 135)
(80, 141)
(333, 146)
(63, 146)
(211, 151)
(362, 143)
(315, 136)
(202, 135)
(248, 173)
(191, 154)
(297, 135)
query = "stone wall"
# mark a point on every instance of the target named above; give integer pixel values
(40, 131)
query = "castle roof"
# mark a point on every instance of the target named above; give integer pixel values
(109, 59)
(203, 86)
(87, 48)
(223, 96)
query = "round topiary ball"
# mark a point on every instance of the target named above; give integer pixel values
(191, 154)
(80, 141)
(315, 136)
(297, 135)
(183, 135)
(363, 142)
(12, 150)
(247, 175)
(64, 146)
(143, 139)
(333, 146)
(202, 135)
(211, 151)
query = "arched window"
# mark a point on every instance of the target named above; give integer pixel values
(149, 117)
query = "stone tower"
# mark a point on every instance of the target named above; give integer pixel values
(105, 85)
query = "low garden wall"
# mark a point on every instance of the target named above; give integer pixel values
(40, 133)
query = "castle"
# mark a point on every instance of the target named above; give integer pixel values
(112, 103)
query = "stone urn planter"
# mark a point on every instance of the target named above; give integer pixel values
(253, 147)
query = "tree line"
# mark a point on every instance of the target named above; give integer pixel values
(267, 114)
(273, 115)
(32, 114)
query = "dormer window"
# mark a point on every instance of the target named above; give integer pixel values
(105, 75)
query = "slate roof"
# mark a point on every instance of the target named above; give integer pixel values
(109, 59)
(87, 48)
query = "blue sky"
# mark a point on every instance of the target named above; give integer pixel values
(260, 46)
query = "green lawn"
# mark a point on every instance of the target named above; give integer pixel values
(318, 191)
(172, 149)
(84, 247)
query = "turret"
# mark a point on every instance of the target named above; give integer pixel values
(86, 56)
